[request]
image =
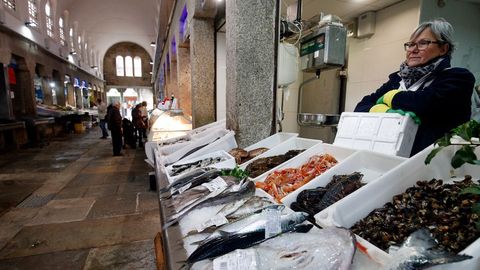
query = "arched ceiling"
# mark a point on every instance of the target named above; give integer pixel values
(107, 22)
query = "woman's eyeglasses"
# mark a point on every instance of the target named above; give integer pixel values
(421, 44)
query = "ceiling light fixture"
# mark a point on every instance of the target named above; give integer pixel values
(152, 44)
(94, 67)
(73, 52)
(28, 24)
(151, 63)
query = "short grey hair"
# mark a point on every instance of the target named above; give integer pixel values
(441, 29)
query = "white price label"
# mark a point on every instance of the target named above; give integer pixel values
(240, 259)
(215, 184)
(184, 188)
(273, 224)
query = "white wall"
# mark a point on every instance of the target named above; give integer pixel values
(371, 60)
(221, 79)
(464, 17)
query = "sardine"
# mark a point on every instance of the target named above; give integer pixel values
(182, 180)
(230, 241)
(210, 173)
(187, 167)
(420, 251)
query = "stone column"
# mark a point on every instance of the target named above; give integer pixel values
(184, 77)
(202, 57)
(28, 92)
(250, 68)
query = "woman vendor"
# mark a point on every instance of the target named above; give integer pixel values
(436, 95)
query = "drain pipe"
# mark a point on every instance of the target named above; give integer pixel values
(300, 93)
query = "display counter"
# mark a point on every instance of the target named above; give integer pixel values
(379, 178)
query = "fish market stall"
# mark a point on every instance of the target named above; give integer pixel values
(215, 216)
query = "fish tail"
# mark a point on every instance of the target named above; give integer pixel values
(169, 223)
(185, 265)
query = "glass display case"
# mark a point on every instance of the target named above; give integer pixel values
(168, 124)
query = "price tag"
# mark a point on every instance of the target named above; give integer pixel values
(217, 221)
(240, 259)
(184, 188)
(215, 184)
(273, 225)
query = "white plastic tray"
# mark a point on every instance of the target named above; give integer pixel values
(220, 140)
(295, 143)
(228, 163)
(359, 204)
(340, 153)
(371, 164)
(272, 141)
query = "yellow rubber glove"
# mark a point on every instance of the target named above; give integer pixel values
(379, 108)
(388, 97)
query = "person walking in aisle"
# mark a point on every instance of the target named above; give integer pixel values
(115, 125)
(102, 113)
(144, 112)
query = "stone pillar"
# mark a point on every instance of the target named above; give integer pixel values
(184, 77)
(250, 68)
(202, 60)
(173, 72)
(29, 103)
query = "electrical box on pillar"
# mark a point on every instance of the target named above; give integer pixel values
(325, 47)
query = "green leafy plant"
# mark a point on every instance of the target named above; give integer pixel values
(236, 172)
(469, 133)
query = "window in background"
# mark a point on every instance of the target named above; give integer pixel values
(10, 4)
(49, 19)
(120, 65)
(137, 65)
(71, 39)
(61, 32)
(128, 66)
(33, 13)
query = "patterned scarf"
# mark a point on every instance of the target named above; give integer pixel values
(411, 75)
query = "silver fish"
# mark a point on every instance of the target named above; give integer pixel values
(239, 226)
(303, 251)
(230, 241)
(419, 251)
(253, 205)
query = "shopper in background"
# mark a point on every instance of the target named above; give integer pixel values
(115, 125)
(137, 120)
(102, 113)
(434, 94)
(144, 111)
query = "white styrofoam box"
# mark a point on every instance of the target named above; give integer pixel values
(220, 123)
(295, 143)
(371, 164)
(228, 163)
(272, 141)
(340, 154)
(197, 140)
(205, 142)
(225, 143)
(389, 133)
(359, 204)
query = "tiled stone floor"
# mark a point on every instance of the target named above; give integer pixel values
(72, 205)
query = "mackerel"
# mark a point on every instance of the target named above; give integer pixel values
(228, 242)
